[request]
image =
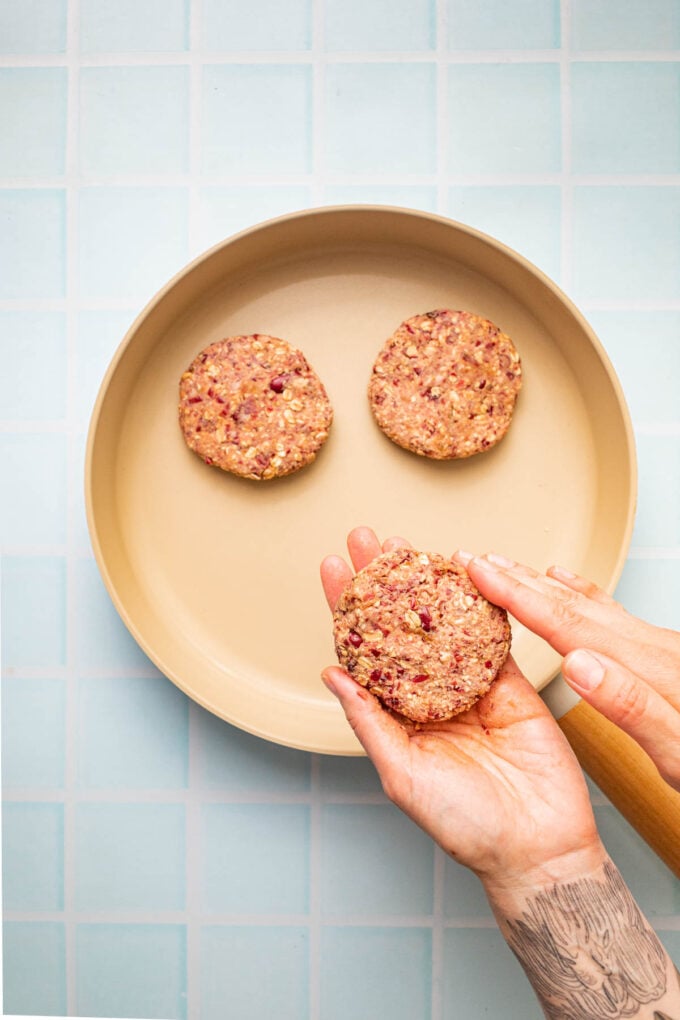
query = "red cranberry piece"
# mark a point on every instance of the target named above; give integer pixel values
(420, 678)
(278, 384)
(425, 617)
(207, 460)
(482, 384)
(488, 664)
(355, 639)
(195, 400)
(376, 675)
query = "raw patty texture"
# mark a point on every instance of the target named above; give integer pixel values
(252, 405)
(445, 384)
(414, 630)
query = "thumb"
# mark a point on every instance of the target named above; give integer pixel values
(631, 703)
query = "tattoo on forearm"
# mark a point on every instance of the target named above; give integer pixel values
(588, 951)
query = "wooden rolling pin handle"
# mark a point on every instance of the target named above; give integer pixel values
(628, 777)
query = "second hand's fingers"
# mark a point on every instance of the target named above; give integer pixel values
(395, 542)
(632, 704)
(363, 546)
(335, 576)
(581, 585)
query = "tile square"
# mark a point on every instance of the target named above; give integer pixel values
(410, 196)
(508, 994)
(371, 109)
(102, 641)
(33, 26)
(625, 118)
(33, 732)
(33, 602)
(379, 25)
(129, 857)
(464, 894)
(256, 858)
(131, 970)
(98, 335)
(132, 733)
(650, 589)
(525, 217)
(132, 240)
(34, 968)
(230, 759)
(267, 108)
(504, 118)
(503, 24)
(671, 940)
(348, 775)
(32, 243)
(391, 847)
(39, 365)
(33, 469)
(33, 111)
(637, 343)
(32, 856)
(657, 522)
(232, 971)
(224, 211)
(635, 25)
(133, 25)
(626, 243)
(396, 984)
(268, 25)
(121, 135)
(654, 886)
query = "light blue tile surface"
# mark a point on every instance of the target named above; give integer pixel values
(382, 834)
(129, 857)
(232, 760)
(102, 641)
(34, 968)
(33, 472)
(32, 856)
(131, 240)
(464, 894)
(525, 217)
(225, 210)
(37, 707)
(375, 972)
(657, 521)
(33, 26)
(254, 972)
(633, 25)
(348, 775)
(256, 119)
(671, 940)
(133, 25)
(655, 888)
(379, 25)
(625, 118)
(503, 24)
(650, 589)
(408, 196)
(33, 112)
(268, 25)
(379, 119)
(626, 243)
(121, 135)
(131, 970)
(98, 335)
(38, 344)
(132, 733)
(32, 243)
(33, 602)
(255, 858)
(503, 990)
(504, 118)
(638, 343)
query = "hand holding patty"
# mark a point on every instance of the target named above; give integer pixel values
(627, 669)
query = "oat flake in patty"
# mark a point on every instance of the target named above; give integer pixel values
(414, 630)
(252, 405)
(445, 384)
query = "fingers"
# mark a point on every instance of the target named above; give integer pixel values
(580, 584)
(381, 736)
(632, 704)
(335, 575)
(363, 546)
(390, 544)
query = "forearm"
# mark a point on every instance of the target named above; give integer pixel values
(584, 944)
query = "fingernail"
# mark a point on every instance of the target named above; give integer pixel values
(562, 572)
(327, 679)
(584, 670)
(464, 556)
(483, 564)
(501, 561)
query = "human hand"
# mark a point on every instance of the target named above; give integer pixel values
(497, 787)
(627, 669)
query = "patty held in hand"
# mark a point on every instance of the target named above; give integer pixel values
(253, 405)
(445, 384)
(413, 629)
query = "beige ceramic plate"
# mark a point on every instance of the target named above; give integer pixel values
(217, 577)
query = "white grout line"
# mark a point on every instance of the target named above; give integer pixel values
(566, 221)
(193, 177)
(442, 123)
(318, 137)
(194, 857)
(438, 933)
(315, 915)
